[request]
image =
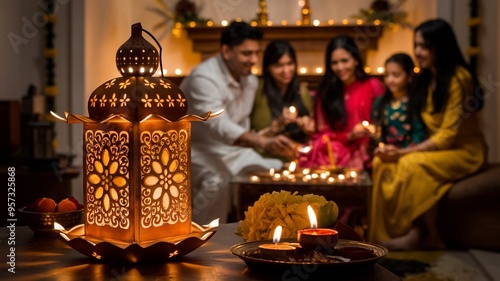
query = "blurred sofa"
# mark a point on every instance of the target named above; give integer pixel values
(469, 214)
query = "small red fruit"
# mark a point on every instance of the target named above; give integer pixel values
(68, 204)
(45, 205)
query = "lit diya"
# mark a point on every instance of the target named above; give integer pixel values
(276, 251)
(317, 239)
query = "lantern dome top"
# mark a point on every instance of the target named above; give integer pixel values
(137, 94)
(135, 98)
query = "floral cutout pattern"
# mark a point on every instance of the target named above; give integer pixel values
(117, 99)
(107, 183)
(164, 174)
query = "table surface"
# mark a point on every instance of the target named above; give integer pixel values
(44, 258)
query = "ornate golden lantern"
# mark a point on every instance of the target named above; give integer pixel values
(137, 160)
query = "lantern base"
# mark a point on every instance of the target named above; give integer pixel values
(150, 251)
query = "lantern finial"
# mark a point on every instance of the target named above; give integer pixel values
(137, 57)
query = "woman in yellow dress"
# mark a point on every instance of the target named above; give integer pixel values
(408, 182)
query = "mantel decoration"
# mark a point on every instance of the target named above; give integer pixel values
(385, 13)
(137, 164)
(185, 13)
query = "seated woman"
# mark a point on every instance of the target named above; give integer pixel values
(343, 101)
(280, 90)
(408, 182)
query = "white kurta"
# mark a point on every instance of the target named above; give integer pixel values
(210, 87)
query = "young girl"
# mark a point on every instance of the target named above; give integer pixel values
(396, 124)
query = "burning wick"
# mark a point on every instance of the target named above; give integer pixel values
(304, 149)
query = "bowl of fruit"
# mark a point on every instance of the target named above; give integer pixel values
(43, 212)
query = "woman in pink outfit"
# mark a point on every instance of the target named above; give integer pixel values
(343, 101)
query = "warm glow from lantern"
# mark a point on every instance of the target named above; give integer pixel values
(345, 21)
(284, 22)
(210, 23)
(269, 23)
(331, 22)
(312, 217)
(253, 23)
(368, 69)
(192, 24)
(376, 22)
(277, 234)
(298, 22)
(359, 21)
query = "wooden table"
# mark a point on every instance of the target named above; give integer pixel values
(354, 197)
(40, 258)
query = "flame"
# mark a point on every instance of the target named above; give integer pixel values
(365, 123)
(277, 234)
(292, 166)
(312, 217)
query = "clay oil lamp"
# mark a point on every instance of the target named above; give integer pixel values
(277, 250)
(317, 239)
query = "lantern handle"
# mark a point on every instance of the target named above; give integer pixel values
(159, 46)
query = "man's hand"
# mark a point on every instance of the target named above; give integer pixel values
(281, 146)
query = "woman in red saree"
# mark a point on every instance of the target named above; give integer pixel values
(343, 101)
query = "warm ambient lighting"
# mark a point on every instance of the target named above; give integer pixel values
(416, 69)
(319, 70)
(303, 70)
(345, 21)
(368, 69)
(284, 22)
(380, 69)
(331, 22)
(316, 22)
(224, 23)
(178, 71)
(136, 147)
